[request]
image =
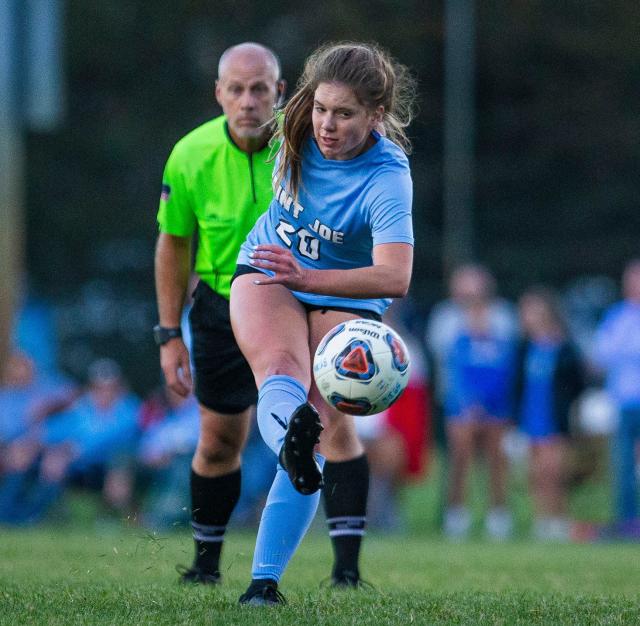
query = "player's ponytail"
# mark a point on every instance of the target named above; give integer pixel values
(376, 79)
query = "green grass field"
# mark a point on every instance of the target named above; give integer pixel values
(67, 576)
(76, 572)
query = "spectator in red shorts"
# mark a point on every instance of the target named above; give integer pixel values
(396, 440)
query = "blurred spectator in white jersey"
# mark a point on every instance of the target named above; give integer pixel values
(472, 340)
(466, 284)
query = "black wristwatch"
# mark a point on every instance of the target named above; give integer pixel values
(161, 334)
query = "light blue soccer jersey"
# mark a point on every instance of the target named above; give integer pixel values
(344, 209)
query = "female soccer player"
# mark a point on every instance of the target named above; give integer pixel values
(335, 244)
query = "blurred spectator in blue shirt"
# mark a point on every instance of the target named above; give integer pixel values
(102, 424)
(550, 377)
(88, 443)
(617, 353)
(27, 397)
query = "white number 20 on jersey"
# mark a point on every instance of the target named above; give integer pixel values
(307, 244)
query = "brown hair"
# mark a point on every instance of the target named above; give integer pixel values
(376, 79)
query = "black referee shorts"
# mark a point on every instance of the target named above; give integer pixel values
(223, 378)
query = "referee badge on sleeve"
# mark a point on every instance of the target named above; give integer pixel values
(166, 192)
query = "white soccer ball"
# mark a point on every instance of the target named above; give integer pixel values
(361, 367)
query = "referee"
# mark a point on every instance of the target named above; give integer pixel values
(217, 181)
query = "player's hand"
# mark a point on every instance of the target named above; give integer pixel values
(174, 360)
(281, 261)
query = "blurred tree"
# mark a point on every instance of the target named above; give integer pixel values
(559, 140)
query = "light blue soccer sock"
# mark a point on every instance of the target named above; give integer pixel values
(278, 398)
(285, 521)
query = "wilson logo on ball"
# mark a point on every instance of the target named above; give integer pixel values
(356, 361)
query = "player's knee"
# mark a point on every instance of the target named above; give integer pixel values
(285, 363)
(54, 467)
(218, 450)
(19, 458)
(341, 440)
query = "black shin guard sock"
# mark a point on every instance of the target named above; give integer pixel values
(346, 486)
(212, 502)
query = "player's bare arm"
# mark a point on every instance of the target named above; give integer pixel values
(388, 277)
(172, 267)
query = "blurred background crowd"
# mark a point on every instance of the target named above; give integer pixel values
(498, 388)
(522, 414)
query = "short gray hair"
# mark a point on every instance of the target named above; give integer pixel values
(247, 46)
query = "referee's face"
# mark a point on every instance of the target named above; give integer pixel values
(247, 91)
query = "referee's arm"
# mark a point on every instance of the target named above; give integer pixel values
(172, 268)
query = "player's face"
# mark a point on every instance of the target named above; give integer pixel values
(533, 314)
(247, 92)
(469, 287)
(341, 124)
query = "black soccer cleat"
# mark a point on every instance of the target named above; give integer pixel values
(262, 593)
(194, 575)
(347, 579)
(296, 455)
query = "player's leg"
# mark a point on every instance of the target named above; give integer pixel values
(548, 461)
(49, 486)
(19, 458)
(499, 521)
(215, 488)
(272, 331)
(346, 470)
(225, 390)
(271, 328)
(624, 464)
(460, 439)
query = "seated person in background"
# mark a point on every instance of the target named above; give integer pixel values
(27, 397)
(550, 376)
(478, 374)
(90, 443)
(164, 458)
(170, 427)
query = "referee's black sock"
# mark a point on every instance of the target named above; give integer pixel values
(212, 502)
(346, 486)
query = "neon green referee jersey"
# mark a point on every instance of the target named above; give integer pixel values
(211, 184)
